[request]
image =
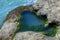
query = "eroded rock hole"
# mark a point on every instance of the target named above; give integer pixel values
(53, 24)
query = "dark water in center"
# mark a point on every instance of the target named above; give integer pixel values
(30, 19)
(29, 22)
(7, 5)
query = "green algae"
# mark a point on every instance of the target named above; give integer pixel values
(52, 32)
(39, 28)
(33, 28)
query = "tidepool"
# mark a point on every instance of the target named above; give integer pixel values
(30, 22)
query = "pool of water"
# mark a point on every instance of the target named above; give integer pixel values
(8, 5)
(30, 22)
(30, 19)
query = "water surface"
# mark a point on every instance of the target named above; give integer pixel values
(8, 5)
(30, 22)
(30, 19)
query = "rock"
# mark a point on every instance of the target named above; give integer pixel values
(35, 6)
(28, 36)
(7, 30)
(9, 26)
(32, 36)
(54, 14)
(11, 23)
(51, 8)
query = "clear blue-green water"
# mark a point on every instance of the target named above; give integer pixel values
(30, 19)
(30, 22)
(8, 5)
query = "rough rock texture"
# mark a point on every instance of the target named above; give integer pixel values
(11, 22)
(32, 36)
(28, 36)
(49, 7)
(7, 30)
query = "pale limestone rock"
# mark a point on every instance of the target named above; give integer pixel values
(33, 36)
(28, 36)
(51, 8)
(7, 29)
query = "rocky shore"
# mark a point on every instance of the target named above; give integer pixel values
(11, 23)
(50, 8)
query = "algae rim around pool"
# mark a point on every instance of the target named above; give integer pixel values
(35, 15)
(45, 22)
